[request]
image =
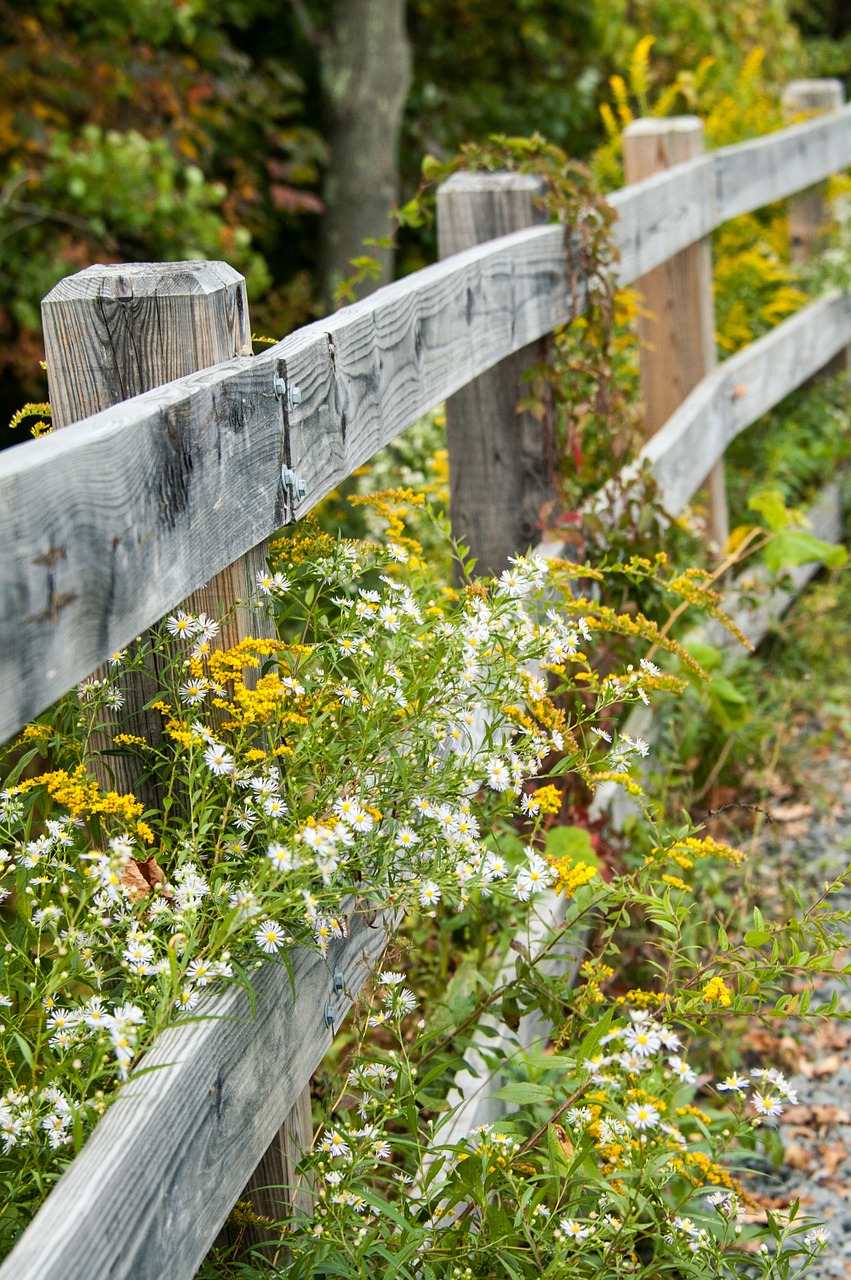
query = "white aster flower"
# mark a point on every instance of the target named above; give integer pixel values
(269, 937)
(641, 1115)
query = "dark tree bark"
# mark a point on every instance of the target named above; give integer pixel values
(365, 60)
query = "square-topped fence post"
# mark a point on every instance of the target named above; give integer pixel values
(810, 213)
(677, 335)
(499, 468)
(113, 332)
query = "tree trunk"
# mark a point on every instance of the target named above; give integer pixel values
(366, 71)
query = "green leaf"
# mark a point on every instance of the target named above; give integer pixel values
(571, 842)
(771, 507)
(795, 546)
(757, 938)
(521, 1092)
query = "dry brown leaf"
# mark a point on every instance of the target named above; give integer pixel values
(827, 1066)
(798, 1157)
(816, 1115)
(139, 878)
(790, 812)
(839, 1188)
(831, 1158)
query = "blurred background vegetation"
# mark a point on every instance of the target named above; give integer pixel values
(278, 135)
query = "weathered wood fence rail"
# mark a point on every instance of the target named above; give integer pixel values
(106, 526)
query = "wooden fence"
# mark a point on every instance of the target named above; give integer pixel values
(108, 525)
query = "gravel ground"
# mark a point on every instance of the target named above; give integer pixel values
(809, 842)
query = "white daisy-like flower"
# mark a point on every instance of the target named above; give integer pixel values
(194, 691)
(498, 776)
(733, 1083)
(641, 1115)
(642, 1039)
(533, 877)
(269, 937)
(429, 894)
(218, 760)
(573, 1230)
(206, 628)
(682, 1070)
(182, 624)
(280, 857)
(767, 1105)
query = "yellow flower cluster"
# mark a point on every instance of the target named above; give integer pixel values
(637, 998)
(548, 799)
(686, 852)
(624, 780)
(35, 732)
(311, 544)
(570, 875)
(594, 974)
(695, 586)
(82, 797)
(716, 992)
(601, 618)
(392, 505)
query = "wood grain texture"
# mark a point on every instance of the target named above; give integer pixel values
(112, 332)
(741, 390)
(130, 329)
(107, 526)
(500, 460)
(146, 1196)
(676, 327)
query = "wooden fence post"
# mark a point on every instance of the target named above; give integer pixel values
(809, 211)
(677, 337)
(110, 333)
(113, 332)
(499, 471)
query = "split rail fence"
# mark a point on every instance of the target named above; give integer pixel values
(186, 453)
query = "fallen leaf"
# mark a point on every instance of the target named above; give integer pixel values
(798, 1157)
(790, 812)
(827, 1066)
(816, 1115)
(139, 878)
(830, 1158)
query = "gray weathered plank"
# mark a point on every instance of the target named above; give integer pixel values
(107, 526)
(741, 390)
(150, 1189)
(752, 174)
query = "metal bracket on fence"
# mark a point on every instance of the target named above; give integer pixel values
(295, 488)
(339, 982)
(330, 1015)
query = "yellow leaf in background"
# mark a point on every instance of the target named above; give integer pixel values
(736, 539)
(639, 69)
